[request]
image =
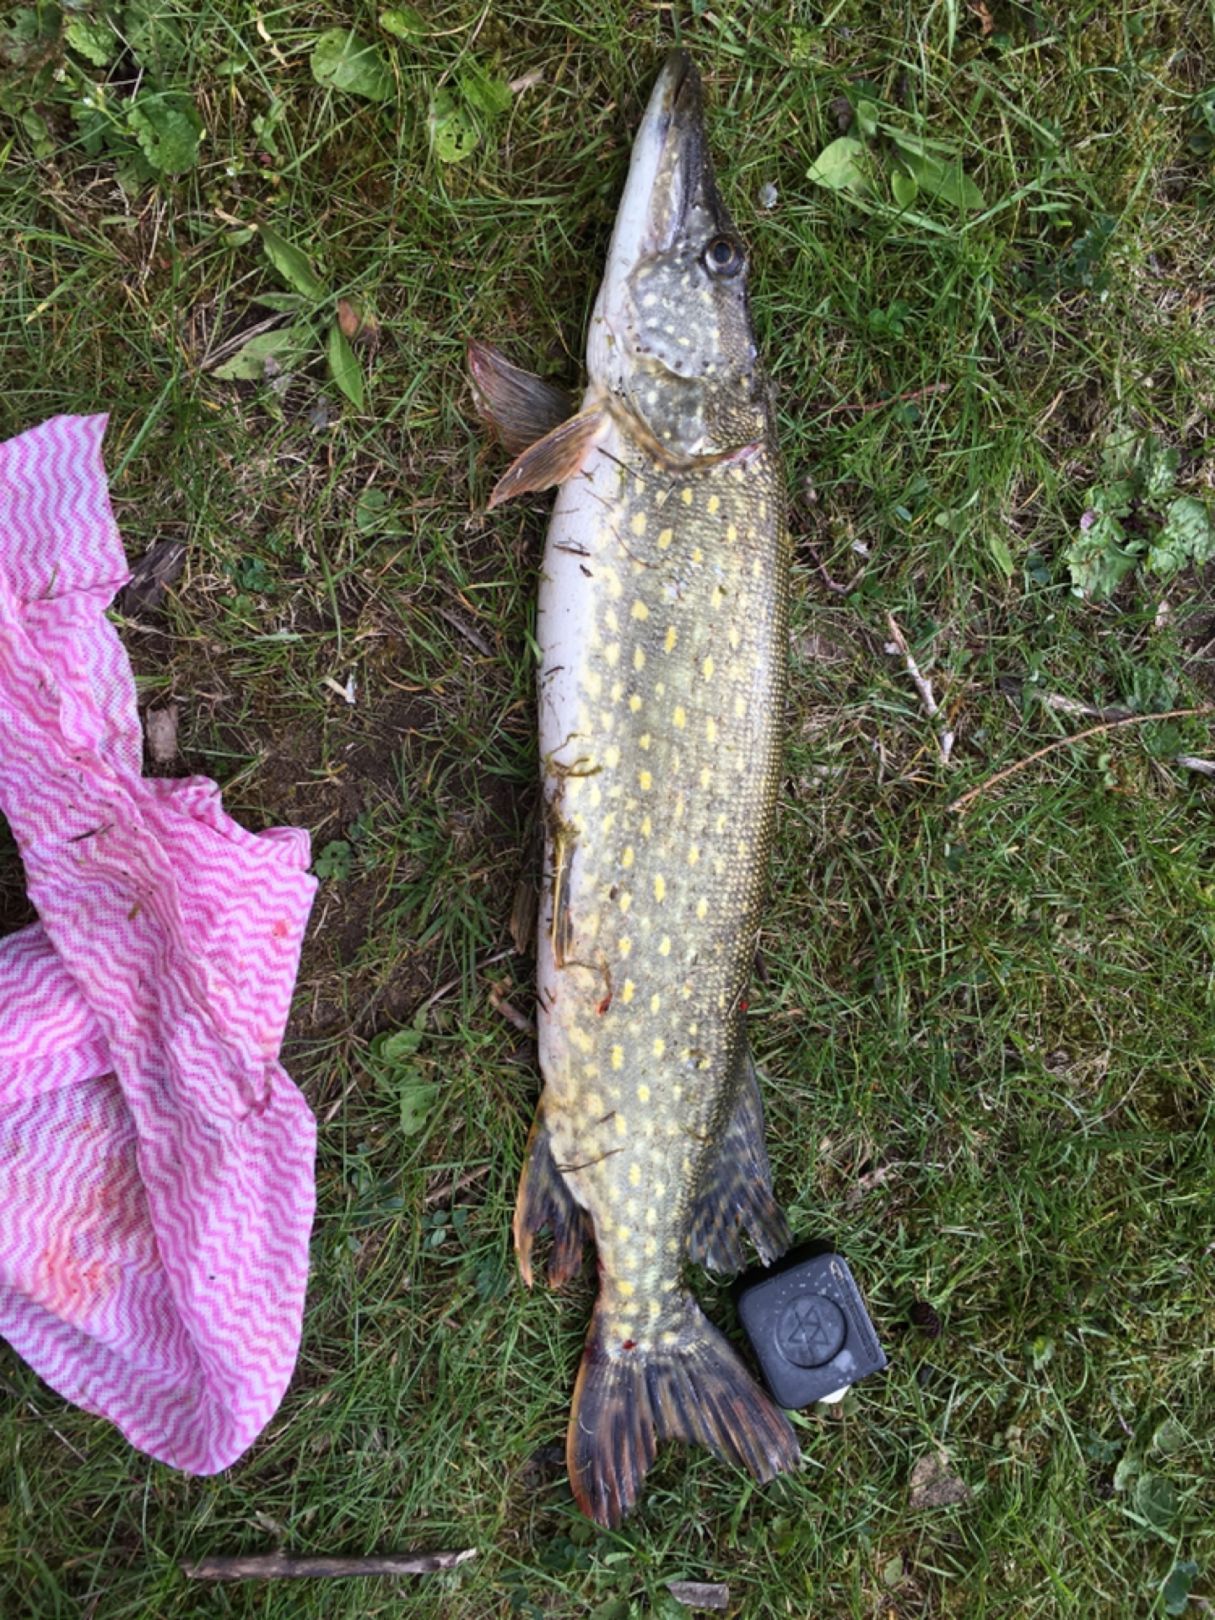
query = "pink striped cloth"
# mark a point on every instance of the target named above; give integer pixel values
(156, 1162)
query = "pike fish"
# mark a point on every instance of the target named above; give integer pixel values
(662, 631)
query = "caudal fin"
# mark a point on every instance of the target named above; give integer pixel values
(632, 1394)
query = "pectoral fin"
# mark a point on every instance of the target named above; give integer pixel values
(519, 406)
(736, 1192)
(554, 458)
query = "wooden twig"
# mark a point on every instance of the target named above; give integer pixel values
(898, 644)
(221, 351)
(513, 1016)
(448, 1189)
(968, 798)
(1083, 711)
(831, 584)
(861, 406)
(282, 1567)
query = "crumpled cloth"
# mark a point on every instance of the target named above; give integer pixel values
(156, 1162)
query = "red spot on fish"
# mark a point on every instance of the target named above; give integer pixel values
(743, 1005)
(604, 1004)
(629, 1344)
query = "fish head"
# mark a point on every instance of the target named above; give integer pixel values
(671, 339)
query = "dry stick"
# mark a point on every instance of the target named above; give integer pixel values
(449, 1189)
(922, 685)
(281, 1567)
(894, 399)
(959, 805)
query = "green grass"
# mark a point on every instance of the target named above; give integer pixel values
(988, 1042)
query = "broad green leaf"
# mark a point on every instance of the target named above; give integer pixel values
(283, 303)
(133, 171)
(1120, 451)
(1112, 499)
(344, 366)
(39, 132)
(336, 860)
(906, 141)
(839, 166)
(1100, 556)
(342, 60)
(483, 92)
(943, 177)
(96, 41)
(1176, 1589)
(398, 1047)
(453, 133)
(998, 546)
(292, 264)
(404, 22)
(1156, 1499)
(866, 118)
(416, 1099)
(1186, 536)
(1160, 464)
(1127, 1471)
(248, 364)
(156, 42)
(903, 187)
(168, 130)
(893, 1571)
(1169, 1436)
(370, 510)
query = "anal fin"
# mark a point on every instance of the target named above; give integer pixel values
(544, 1200)
(735, 1194)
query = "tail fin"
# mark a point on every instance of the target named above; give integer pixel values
(695, 1389)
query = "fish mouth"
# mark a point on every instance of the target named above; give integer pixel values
(672, 139)
(670, 171)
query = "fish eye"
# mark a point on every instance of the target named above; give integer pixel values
(724, 256)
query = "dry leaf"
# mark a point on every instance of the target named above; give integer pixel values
(160, 726)
(356, 325)
(152, 575)
(527, 81)
(932, 1485)
(523, 914)
(700, 1595)
(987, 23)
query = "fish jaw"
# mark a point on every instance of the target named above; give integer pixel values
(669, 167)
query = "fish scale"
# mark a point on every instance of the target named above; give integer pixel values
(662, 631)
(661, 763)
